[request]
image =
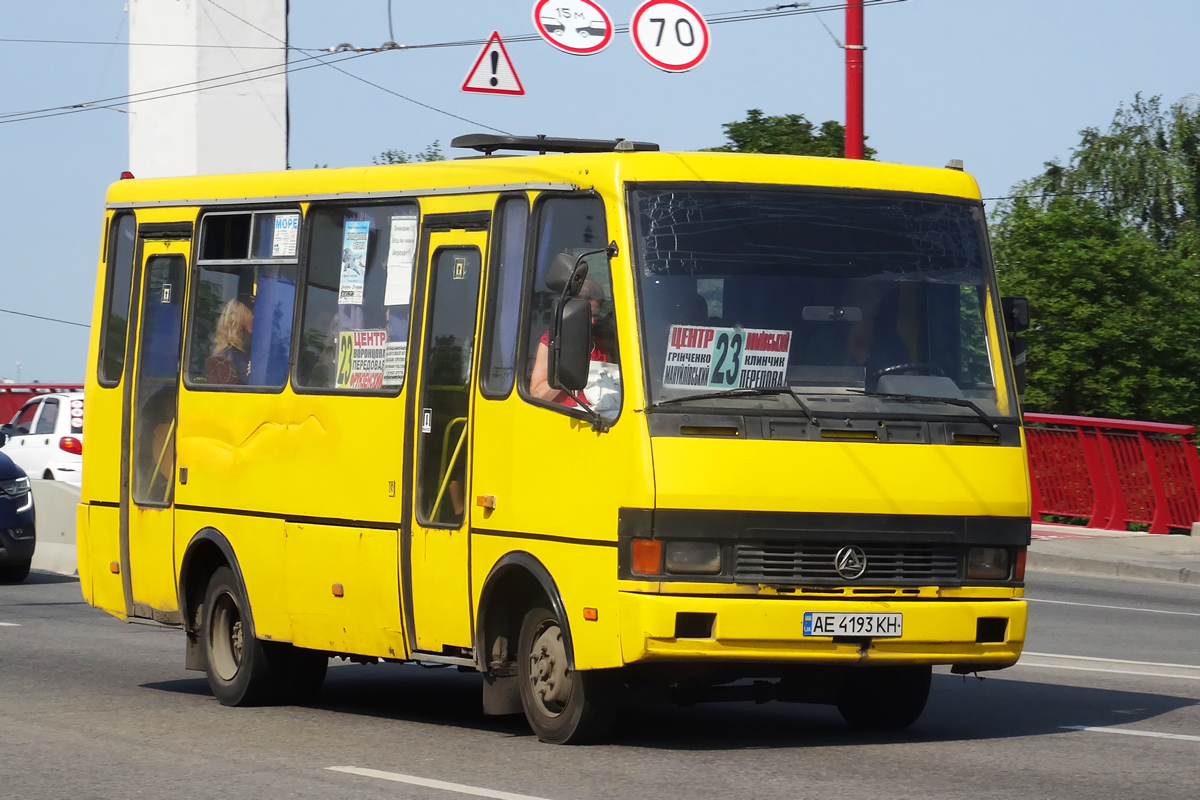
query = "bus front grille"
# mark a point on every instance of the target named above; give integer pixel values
(803, 562)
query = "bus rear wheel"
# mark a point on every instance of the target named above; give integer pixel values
(884, 698)
(241, 670)
(562, 705)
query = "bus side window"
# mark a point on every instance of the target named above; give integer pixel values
(568, 227)
(245, 292)
(357, 296)
(117, 288)
(504, 298)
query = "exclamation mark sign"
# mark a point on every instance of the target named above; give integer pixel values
(495, 65)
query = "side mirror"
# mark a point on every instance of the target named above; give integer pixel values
(1016, 313)
(562, 274)
(570, 345)
(1016, 348)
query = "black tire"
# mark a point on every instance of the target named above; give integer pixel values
(14, 573)
(563, 706)
(884, 698)
(242, 671)
(304, 674)
(47, 475)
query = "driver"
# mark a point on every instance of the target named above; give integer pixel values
(872, 340)
(539, 380)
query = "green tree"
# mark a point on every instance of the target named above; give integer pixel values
(431, 153)
(1143, 170)
(1105, 248)
(1115, 333)
(791, 134)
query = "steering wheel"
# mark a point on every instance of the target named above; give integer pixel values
(916, 366)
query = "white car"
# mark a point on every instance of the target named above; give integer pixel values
(45, 438)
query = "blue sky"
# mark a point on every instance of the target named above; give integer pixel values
(1002, 84)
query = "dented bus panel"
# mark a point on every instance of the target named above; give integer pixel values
(329, 414)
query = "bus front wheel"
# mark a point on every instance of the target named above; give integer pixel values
(240, 669)
(562, 705)
(884, 698)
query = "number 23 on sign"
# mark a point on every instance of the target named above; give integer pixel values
(670, 34)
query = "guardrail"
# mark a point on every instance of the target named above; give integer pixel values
(14, 395)
(1112, 472)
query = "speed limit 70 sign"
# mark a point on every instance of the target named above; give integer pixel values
(670, 34)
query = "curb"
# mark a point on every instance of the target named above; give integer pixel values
(1048, 562)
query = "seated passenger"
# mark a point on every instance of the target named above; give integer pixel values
(229, 364)
(603, 385)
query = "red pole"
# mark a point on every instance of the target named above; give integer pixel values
(854, 78)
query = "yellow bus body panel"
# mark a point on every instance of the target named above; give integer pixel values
(308, 489)
(832, 476)
(935, 632)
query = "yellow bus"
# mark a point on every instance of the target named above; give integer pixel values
(590, 420)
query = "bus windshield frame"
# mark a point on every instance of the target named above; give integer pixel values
(878, 297)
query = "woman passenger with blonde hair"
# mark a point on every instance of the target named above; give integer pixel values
(229, 363)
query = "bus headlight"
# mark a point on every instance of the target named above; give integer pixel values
(987, 563)
(693, 558)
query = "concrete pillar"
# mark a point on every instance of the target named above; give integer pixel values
(241, 127)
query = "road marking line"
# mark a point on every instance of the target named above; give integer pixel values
(10, 624)
(1111, 671)
(1111, 660)
(1115, 608)
(445, 786)
(1127, 732)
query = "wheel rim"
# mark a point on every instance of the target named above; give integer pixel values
(225, 638)
(550, 680)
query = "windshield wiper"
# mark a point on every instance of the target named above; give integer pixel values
(761, 391)
(951, 401)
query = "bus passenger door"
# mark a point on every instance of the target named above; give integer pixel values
(148, 434)
(435, 558)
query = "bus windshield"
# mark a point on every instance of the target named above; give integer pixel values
(869, 296)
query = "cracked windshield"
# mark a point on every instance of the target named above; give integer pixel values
(826, 293)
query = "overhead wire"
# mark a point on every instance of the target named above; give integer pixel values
(1039, 195)
(195, 87)
(130, 99)
(157, 44)
(47, 319)
(769, 12)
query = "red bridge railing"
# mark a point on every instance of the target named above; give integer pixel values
(1112, 472)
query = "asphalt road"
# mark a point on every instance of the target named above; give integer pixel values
(91, 707)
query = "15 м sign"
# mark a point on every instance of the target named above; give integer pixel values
(578, 27)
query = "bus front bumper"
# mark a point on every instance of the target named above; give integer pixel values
(939, 631)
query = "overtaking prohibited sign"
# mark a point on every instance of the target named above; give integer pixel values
(578, 27)
(670, 34)
(493, 72)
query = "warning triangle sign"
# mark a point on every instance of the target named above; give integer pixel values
(493, 72)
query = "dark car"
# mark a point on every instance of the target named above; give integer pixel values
(552, 26)
(17, 537)
(595, 28)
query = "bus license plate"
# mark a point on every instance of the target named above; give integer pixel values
(822, 623)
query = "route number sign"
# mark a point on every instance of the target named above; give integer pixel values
(670, 34)
(578, 27)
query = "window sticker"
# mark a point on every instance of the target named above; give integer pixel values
(355, 236)
(393, 363)
(402, 252)
(283, 240)
(725, 358)
(361, 356)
